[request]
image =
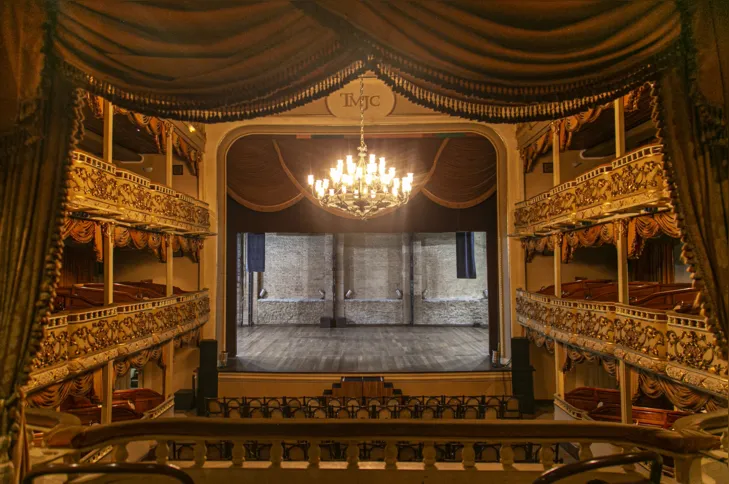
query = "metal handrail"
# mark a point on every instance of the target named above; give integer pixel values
(562, 472)
(115, 468)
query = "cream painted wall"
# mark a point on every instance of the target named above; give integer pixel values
(185, 183)
(152, 167)
(544, 374)
(536, 181)
(185, 273)
(136, 265)
(589, 374)
(185, 362)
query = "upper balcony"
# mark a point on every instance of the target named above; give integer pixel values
(100, 188)
(632, 183)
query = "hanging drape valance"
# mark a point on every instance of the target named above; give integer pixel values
(490, 60)
(52, 396)
(567, 127)
(138, 361)
(269, 173)
(84, 231)
(639, 229)
(575, 356)
(683, 397)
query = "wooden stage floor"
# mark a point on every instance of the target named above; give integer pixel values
(361, 349)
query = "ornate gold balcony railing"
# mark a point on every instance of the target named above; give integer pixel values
(76, 341)
(673, 345)
(99, 188)
(630, 183)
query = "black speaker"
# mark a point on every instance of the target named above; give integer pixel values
(184, 399)
(520, 354)
(465, 256)
(256, 252)
(207, 374)
(522, 375)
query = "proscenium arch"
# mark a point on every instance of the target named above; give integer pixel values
(313, 125)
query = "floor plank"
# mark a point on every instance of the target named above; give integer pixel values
(358, 349)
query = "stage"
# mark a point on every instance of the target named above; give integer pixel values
(361, 349)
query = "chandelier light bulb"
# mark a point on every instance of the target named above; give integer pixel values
(311, 179)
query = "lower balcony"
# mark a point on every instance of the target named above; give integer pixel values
(673, 345)
(79, 340)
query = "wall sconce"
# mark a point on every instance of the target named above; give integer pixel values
(262, 294)
(322, 294)
(399, 293)
(349, 294)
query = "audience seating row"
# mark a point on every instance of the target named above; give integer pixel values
(128, 404)
(604, 405)
(652, 295)
(90, 295)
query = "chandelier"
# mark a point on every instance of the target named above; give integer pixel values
(364, 187)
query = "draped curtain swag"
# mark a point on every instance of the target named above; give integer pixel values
(85, 231)
(499, 61)
(138, 361)
(54, 395)
(269, 173)
(681, 396)
(567, 127)
(639, 229)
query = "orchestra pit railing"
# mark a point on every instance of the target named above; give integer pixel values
(390, 407)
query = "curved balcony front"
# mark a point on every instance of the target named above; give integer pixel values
(630, 184)
(675, 345)
(77, 341)
(102, 189)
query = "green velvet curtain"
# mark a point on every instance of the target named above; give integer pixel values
(222, 60)
(498, 60)
(694, 100)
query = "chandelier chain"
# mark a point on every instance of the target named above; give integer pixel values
(362, 144)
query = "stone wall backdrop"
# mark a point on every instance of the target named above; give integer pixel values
(373, 271)
(440, 297)
(298, 266)
(374, 266)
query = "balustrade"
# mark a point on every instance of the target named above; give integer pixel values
(677, 345)
(75, 340)
(100, 188)
(357, 439)
(634, 181)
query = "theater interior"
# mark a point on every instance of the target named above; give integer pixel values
(378, 241)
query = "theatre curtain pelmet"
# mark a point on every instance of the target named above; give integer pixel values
(499, 61)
